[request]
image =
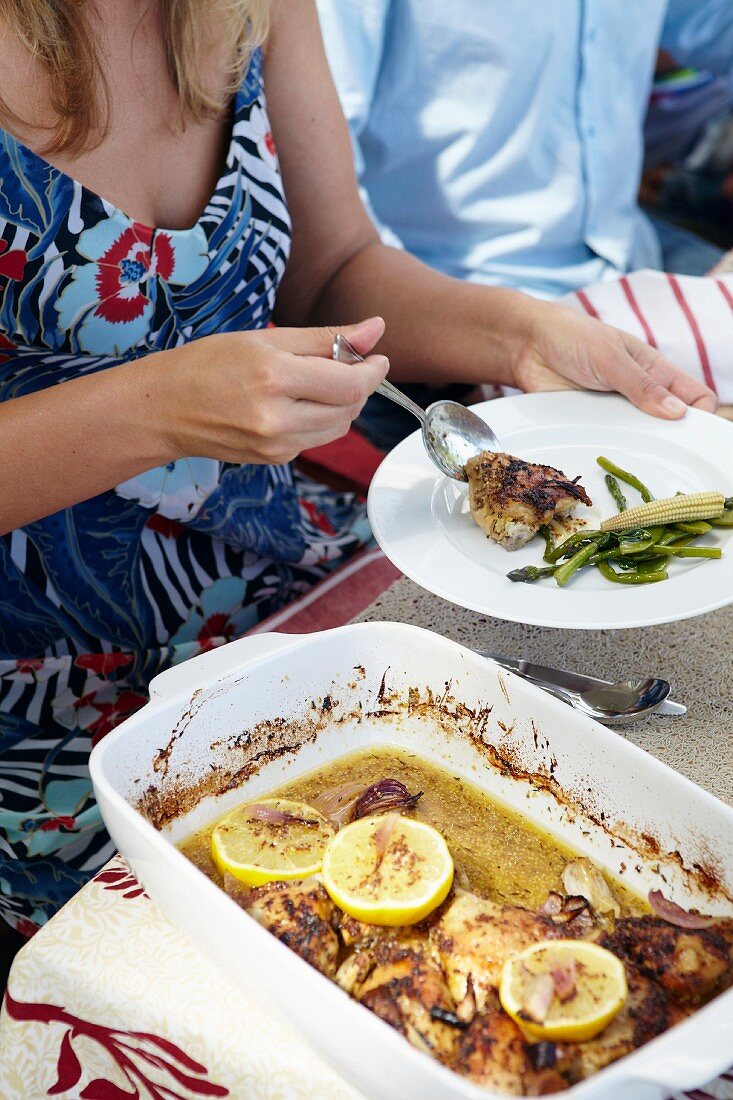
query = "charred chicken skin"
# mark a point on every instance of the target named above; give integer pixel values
(493, 1053)
(436, 982)
(407, 988)
(301, 914)
(690, 965)
(511, 499)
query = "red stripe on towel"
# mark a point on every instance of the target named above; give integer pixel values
(701, 349)
(725, 292)
(631, 299)
(587, 304)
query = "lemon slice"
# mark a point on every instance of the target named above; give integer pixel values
(388, 869)
(590, 979)
(271, 840)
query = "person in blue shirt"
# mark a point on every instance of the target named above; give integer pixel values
(502, 143)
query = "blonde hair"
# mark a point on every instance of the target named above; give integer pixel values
(64, 43)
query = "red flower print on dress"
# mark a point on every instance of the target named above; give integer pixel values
(317, 518)
(169, 528)
(111, 714)
(107, 304)
(12, 264)
(218, 627)
(132, 1054)
(5, 345)
(65, 821)
(33, 670)
(125, 268)
(103, 663)
(29, 664)
(25, 927)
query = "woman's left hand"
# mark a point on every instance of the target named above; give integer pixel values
(567, 350)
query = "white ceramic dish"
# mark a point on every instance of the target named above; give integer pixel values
(422, 521)
(254, 712)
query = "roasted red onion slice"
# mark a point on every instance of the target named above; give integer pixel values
(387, 794)
(383, 836)
(675, 914)
(271, 816)
(552, 905)
(563, 978)
(539, 992)
(337, 803)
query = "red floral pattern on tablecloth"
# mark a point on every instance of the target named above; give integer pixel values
(134, 1053)
(116, 875)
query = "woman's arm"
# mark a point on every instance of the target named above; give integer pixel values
(238, 397)
(73, 440)
(438, 329)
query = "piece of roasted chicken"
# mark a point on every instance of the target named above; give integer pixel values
(511, 499)
(492, 1052)
(690, 965)
(398, 978)
(475, 937)
(645, 1014)
(301, 914)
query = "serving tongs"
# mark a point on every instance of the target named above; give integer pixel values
(613, 702)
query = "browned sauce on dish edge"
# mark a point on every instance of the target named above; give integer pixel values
(498, 854)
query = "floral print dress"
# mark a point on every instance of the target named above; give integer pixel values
(96, 599)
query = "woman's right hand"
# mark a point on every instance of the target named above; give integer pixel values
(264, 396)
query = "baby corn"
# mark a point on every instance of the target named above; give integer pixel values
(679, 509)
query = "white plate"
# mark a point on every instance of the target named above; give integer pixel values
(422, 522)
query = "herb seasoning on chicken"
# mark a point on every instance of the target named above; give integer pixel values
(511, 499)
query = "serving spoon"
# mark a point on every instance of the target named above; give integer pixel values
(611, 702)
(451, 433)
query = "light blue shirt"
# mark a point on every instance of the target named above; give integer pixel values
(500, 141)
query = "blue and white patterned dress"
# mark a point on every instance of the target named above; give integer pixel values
(97, 599)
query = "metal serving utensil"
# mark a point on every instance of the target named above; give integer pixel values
(610, 702)
(451, 433)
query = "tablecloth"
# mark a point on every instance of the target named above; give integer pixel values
(109, 1000)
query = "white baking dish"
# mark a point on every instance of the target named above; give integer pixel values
(265, 708)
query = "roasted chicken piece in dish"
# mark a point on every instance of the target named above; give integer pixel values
(406, 987)
(493, 1053)
(301, 914)
(474, 938)
(511, 499)
(646, 1014)
(690, 965)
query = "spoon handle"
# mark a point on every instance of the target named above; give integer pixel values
(344, 353)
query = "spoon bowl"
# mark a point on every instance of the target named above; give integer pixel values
(451, 433)
(622, 701)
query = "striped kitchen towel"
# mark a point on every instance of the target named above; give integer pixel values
(689, 318)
